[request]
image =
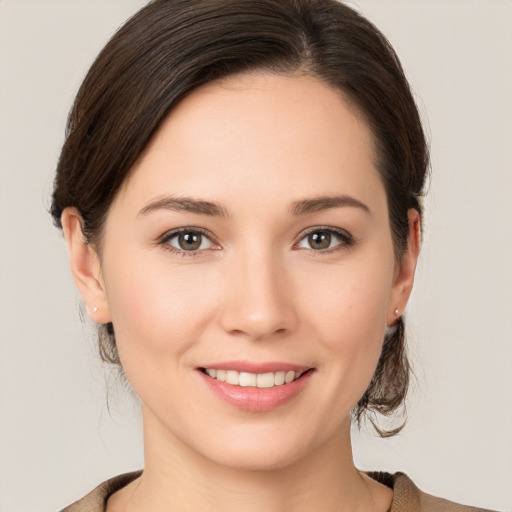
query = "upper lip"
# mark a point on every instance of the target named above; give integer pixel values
(256, 367)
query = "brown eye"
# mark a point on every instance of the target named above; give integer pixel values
(320, 240)
(325, 239)
(188, 241)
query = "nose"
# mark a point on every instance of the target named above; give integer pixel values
(258, 300)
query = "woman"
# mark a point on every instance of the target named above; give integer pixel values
(240, 191)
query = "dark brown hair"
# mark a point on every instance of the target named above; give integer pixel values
(172, 47)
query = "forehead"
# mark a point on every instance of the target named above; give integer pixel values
(267, 135)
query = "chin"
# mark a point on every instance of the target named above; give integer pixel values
(258, 459)
(261, 449)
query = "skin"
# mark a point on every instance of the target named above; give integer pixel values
(255, 290)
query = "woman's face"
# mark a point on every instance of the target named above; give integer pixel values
(252, 240)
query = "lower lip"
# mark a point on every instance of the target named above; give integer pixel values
(257, 399)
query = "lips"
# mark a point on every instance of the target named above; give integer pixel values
(256, 387)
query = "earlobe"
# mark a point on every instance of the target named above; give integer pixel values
(404, 278)
(85, 267)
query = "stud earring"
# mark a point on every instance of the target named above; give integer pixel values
(95, 308)
(397, 312)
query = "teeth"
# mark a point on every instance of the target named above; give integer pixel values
(233, 377)
(260, 380)
(247, 379)
(279, 378)
(265, 380)
(289, 377)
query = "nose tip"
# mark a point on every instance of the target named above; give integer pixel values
(258, 303)
(258, 325)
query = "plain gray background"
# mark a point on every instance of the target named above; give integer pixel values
(57, 437)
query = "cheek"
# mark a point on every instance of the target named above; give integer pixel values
(351, 302)
(157, 311)
(348, 311)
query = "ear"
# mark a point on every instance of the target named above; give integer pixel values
(85, 267)
(404, 276)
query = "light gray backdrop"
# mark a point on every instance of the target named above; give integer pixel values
(57, 438)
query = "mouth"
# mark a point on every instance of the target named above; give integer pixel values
(256, 380)
(256, 387)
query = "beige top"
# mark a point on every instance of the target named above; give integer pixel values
(407, 497)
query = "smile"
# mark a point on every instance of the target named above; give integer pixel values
(256, 387)
(258, 380)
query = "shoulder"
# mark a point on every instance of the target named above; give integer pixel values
(408, 498)
(96, 500)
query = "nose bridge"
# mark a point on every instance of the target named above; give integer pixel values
(257, 302)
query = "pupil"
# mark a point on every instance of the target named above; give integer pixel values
(320, 240)
(190, 241)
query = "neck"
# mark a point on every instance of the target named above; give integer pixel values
(178, 478)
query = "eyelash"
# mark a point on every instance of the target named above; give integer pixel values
(344, 238)
(167, 237)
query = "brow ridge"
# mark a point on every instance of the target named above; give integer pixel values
(301, 207)
(316, 204)
(185, 204)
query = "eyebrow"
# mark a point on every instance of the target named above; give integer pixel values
(302, 207)
(318, 204)
(185, 204)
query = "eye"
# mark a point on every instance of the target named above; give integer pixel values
(323, 239)
(187, 240)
